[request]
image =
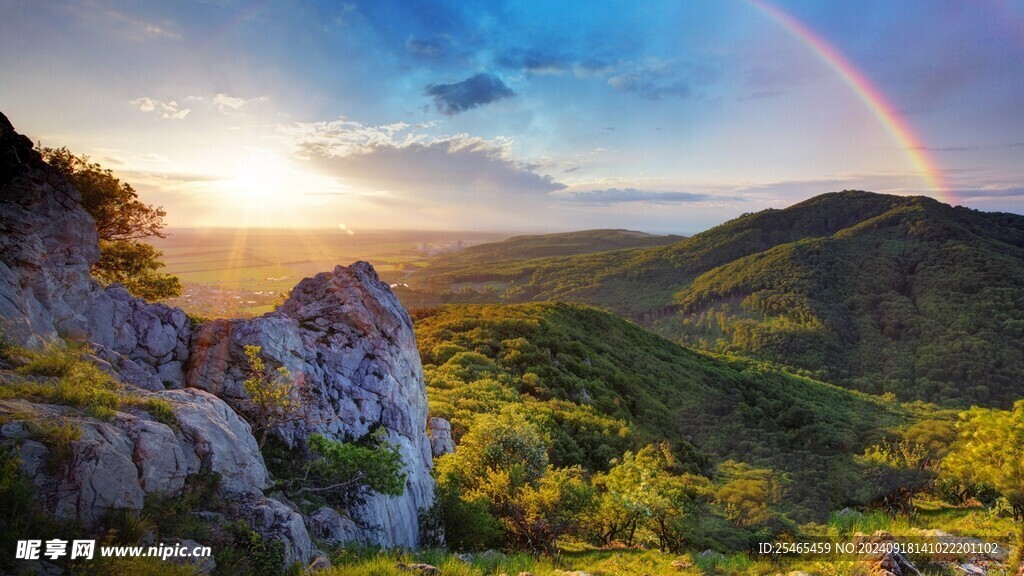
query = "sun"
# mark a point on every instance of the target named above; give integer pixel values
(260, 175)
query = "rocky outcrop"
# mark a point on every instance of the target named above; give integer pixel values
(115, 463)
(48, 244)
(350, 342)
(440, 431)
(343, 333)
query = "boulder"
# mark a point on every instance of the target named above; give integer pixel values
(277, 522)
(334, 529)
(440, 431)
(220, 440)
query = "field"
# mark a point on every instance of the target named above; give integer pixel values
(241, 272)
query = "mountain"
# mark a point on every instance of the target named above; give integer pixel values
(600, 385)
(876, 292)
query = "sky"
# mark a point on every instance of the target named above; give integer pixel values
(665, 117)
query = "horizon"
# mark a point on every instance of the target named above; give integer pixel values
(525, 118)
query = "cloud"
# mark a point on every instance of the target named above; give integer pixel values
(621, 195)
(648, 86)
(134, 27)
(427, 48)
(233, 105)
(592, 67)
(533, 62)
(418, 167)
(990, 193)
(472, 92)
(169, 110)
(967, 148)
(656, 79)
(144, 104)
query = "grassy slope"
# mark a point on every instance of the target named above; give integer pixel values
(876, 292)
(604, 385)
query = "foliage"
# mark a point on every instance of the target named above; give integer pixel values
(661, 498)
(990, 450)
(377, 467)
(323, 471)
(174, 514)
(122, 220)
(135, 266)
(261, 556)
(750, 495)
(594, 387)
(161, 411)
(274, 399)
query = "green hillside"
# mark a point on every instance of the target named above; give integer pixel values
(558, 244)
(875, 292)
(598, 386)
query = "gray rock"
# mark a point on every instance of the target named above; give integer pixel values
(333, 528)
(347, 338)
(440, 431)
(275, 521)
(221, 440)
(103, 474)
(159, 457)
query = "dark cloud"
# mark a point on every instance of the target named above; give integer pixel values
(472, 92)
(990, 193)
(620, 195)
(657, 80)
(533, 61)
(644, 85)
(427, 48)
(592, 67)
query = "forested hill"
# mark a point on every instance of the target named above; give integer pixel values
(876, 292)
(546, 245)
(597, 386)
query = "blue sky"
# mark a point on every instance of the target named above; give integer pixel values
(658, 116)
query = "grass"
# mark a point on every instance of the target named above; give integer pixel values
(161, 411)
(60, 439)
(53, 361)
(58, 375)
(65, 376)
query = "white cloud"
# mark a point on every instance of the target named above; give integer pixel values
(169, 110)
(233, 105)
(417, 166)
(144, 104)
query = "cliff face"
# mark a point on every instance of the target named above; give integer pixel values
(344, 333)
(347, 337)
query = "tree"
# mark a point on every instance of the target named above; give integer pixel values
(652, 486)
(122, 220)
(274, 399)
(748, 493)
(990, 450)
(500, 480)
(343, 473)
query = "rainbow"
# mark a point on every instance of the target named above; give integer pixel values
(873, 98)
